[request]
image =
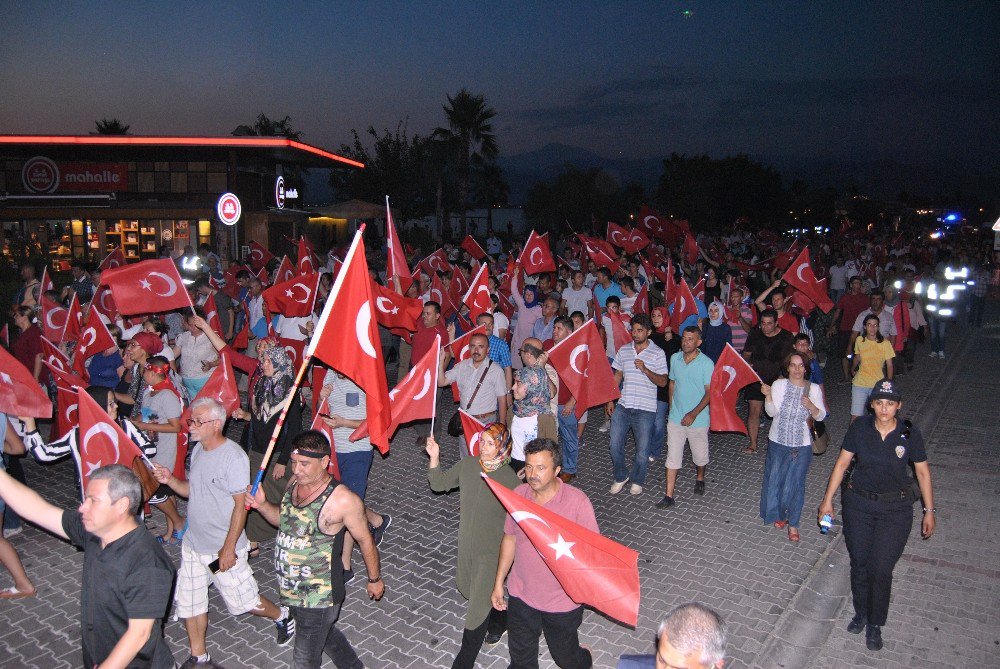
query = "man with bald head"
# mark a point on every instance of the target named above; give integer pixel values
(482, 387)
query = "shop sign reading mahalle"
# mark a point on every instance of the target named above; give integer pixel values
(42, 175)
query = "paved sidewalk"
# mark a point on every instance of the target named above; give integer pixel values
(713, 549)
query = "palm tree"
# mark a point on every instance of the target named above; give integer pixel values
(111, 127)
(265, 127)
(470, 127)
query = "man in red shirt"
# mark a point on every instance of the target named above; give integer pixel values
(430, 325)
(850, 304)
(778, 302)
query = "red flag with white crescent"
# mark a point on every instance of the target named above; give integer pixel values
(413, 398)
(259, 256)
(536, 257)
(472, 428)
(20, 393)
(601, 253)
(320, 426)
(104, 302)
(459, 346)
(349, 342)
(478, 298)
(52, 355)
(294, 348)
(698, 290)
(800, 276)
(617, 235)
(440, 295)
(102, 442)
(148, 283)
(66, 416)
(285, 271)
(221, 387)
(591, 568)
(636, 241)
(53, 319)
(212, 314)
(619, 329)
(642, 301)
(684, 306)
(582, 364)
(395, 311)
(114, 259)
(306, 264)
(396, 267)
(74, 321)
(732, 372)
(93, 339)
(293, 298)
(435, 262)
(472, 247)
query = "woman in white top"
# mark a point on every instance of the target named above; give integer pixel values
(791, 402)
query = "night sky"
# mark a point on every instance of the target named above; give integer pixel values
(844, 81)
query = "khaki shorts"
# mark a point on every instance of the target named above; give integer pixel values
(677, 435)
(236, 585)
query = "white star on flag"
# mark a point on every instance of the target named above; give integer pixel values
(92, 467)
(146, 285)
(288, 292)
(562, 547)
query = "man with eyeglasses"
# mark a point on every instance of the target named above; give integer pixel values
(214, 549)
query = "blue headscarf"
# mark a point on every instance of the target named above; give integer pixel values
(533, 291)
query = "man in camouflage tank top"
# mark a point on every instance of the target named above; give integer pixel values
(315, 512)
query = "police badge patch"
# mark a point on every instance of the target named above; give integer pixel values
(900, 452)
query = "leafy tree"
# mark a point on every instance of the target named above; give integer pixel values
(266, 127)
(584, 199)
(111, 126)
(471, 129)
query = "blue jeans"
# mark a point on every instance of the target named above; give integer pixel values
(659, 430)
(784, 489)
(568, 441)
(641, 424)
(316, 632)
(938, 328)
(354, 469)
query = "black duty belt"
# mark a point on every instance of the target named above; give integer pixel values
(893, 496)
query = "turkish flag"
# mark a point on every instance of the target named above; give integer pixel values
(459, 346)
(104, 302)
(52, 355)
(619, 330)
(472, 247)
(320, 426)
(642, 301)
(732, 372)
(294, 348)
(699, 290)
(102, 442)
(591, 568)
(212, 314)
(307, 264)
(285, 271)
(657, 225)
(617, 235)
(20, 393)
(601, 253)
(691, 251)
(259, 256)
(53, 319)
(92, 340)
(478, 298)
(636, 241)
(114, 259)
(241, 339)
(74, 321)
(66, 417)
(413, 398)
(63, 376)
(221, 387)
(231, 285)
(505, 305)
(147, 283)
(684, 306)
(472, 428)
(293, 298)
(784, 259)
(395, 311)
(440, 295)
(581, 363)
(435, 262)
(350, 342)
(46, 282)
(800, 276)
(535, 256)
(396, 267)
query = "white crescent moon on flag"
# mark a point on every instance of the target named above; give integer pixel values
(798, 271)
(464, 353)
(361, 329)
(84, 344)
(104, 305)
(256, 253)
(378, 304)
(483, 289)
(440, 297)
(48, 319)
(732, 376)
(427, 386)
(171, 284)
(210, 316)
(531, 256)
(575, 353)
(303, 287)
(683, 303)
(518, 516)
(109, 432)
(57, 363)
(308, 261)
(290, 350)
(474, 444)
(654, 227)
(69, 410)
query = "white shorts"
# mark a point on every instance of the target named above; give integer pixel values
(677, 435)
(236, 585)
(859, 400)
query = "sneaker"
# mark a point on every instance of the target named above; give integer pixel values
(285, 627)
(605, 426)
(699, 487)
(379, 532)
(617, 486)
(940, 355)
(857, 624)
(636, 489)
(12, 532)
(348, 576)
(873, 637)
(664, 503)
(493, 638)
(933, 354)
(193, 662)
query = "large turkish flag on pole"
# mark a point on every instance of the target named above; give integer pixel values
(800, 275)
(684, 306)
(20, 393)
(731, 373)
(259, 256)
(349, 341)
(102, 442)
(293, 298)
(150, 286)
(536, 257)
(396, 267)
(591, 568)
(307, 264)
(395, 311)
(478, 297)
(413, 398)
(53, 318)
(92, 340)
(581, 363)
(74, 321)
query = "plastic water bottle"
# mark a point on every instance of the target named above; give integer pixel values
(825, 523)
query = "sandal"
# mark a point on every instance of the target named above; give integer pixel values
(13, 593)
(253, 552)
(173, 540)
(748, 450)
(780, 524)
(793, 535)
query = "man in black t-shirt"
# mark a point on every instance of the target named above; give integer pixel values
(127, 576)
(765, 350)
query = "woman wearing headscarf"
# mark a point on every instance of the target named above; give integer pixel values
(528, 310)
(267, 395)
(717, 332)
(130, 391)
(480, 530)
(665, 339)
(533, 390)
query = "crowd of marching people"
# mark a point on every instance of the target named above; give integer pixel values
(140, 372)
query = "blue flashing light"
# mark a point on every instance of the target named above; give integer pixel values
(951, 218)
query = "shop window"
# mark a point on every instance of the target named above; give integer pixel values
(197, 182)
(144, 182)
(178, 182)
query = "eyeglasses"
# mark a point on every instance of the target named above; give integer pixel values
(199, 423)
(131, 344)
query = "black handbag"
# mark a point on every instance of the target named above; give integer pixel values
(455, 423)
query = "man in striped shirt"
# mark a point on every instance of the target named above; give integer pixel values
(740, 317)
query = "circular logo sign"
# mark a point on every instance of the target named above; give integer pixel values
(40, 175)
(279, 192)
(228, 209)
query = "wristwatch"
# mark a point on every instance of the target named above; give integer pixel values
(375, 580)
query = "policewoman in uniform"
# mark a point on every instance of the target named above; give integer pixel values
(877, 499)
